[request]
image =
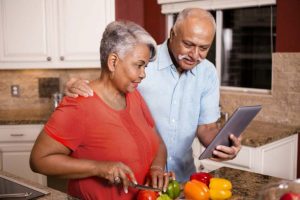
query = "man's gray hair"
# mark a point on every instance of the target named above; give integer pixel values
(197, 12)
(121, 36)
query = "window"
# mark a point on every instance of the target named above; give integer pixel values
(248, 40)
(244, 43)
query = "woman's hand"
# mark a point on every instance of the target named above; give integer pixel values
(158, 178)
(78, 87)
(116, 173)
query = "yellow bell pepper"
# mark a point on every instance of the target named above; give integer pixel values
(220, 188)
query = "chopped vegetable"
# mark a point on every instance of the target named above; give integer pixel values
(164, 197)
(147, 195)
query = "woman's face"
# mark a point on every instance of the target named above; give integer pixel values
(130, 69)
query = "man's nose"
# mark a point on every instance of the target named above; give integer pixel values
(195, 53)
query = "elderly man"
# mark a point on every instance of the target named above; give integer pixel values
(182, 92)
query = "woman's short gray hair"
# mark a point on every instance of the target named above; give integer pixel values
(121, 36)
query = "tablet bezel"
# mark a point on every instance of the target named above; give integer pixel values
(236, 124)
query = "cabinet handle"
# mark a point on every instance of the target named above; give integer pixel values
(49, 58)
(62, 58)
(16, 134)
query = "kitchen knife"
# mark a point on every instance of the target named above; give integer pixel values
(15, 195)
(144, 187)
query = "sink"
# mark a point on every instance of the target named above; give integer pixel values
(11, 186)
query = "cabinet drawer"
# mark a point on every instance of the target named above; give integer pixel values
(20, 133)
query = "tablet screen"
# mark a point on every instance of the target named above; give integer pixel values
(236, 124)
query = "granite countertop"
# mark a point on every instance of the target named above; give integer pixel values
(18, 117)
(245, 184)
(258, 133)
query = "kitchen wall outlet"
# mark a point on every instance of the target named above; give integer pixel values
(15, 90)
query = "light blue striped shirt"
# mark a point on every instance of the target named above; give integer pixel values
(179, 104)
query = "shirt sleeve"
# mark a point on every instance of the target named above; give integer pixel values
(209, 103)
(66, 123)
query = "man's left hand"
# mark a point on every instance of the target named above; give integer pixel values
(223, 153)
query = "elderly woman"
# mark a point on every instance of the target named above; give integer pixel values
(105, 142)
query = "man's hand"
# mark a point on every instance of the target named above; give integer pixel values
(223, 153)
(78, 87)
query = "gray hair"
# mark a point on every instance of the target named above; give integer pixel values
(121, 36)
(197, 12)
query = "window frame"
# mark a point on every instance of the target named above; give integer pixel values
(217, 5)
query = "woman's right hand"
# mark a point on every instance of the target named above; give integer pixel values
(78, 87)
(117, 173)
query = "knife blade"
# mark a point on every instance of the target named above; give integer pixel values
(15, 195)
(144, 187)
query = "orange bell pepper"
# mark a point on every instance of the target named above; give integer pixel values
(196, 190)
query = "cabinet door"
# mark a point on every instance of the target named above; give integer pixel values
(17, 162)
(24, 30)
(280, 158)
(81, 24)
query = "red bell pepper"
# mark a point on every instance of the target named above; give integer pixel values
(201, 176)
(290, 196)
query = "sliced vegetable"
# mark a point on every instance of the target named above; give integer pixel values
(201, 176)
(173, 190)
(147, 195)
(220, 188)
(196, 190)
(164, 197)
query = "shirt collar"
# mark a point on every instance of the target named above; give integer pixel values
(164, 59)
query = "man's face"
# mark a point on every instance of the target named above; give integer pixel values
(190, 42)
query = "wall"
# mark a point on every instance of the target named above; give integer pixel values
(283, 104)
(29, 101)
(144, 12)
(288, 26)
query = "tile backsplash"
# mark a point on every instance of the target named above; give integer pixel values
(29, 81)
(281, 106)
(48, 86)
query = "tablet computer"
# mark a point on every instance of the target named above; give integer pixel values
(236, 124)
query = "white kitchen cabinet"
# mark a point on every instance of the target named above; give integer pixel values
(25, 31)
(277, 159)
(52, 33)
(16, 142)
